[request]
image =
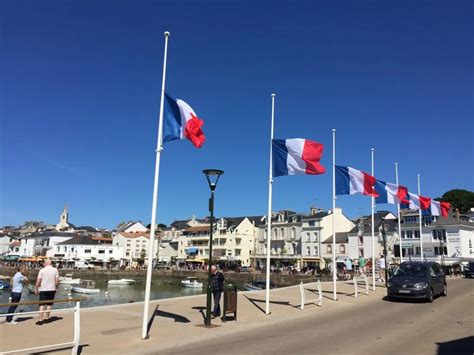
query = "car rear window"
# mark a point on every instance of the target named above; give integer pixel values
(411, 270)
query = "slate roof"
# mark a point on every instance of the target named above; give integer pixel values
(340, 238)
(49, 234)
(366, 222)
(86, 228)
(86, 240)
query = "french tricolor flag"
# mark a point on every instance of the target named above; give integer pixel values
(297, 156)
(180, 121)
(350, 181)
(435, 208)
(388, 192)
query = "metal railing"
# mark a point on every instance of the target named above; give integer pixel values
(77, 323)
(318, 301)
(356, 285)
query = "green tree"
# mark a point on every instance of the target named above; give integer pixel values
(459, 199)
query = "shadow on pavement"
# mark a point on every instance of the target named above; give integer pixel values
(459, 346)
(255, 301)
(201, 310)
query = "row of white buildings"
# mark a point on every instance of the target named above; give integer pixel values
(298, 239)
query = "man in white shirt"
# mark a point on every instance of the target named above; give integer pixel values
(46, 284)
(382, 268)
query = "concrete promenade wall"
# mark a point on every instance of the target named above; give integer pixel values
(175, 276)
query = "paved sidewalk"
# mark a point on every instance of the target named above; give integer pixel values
(117, 329)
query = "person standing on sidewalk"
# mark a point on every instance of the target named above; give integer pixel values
(217, 285)
(348, 262)
(46, 285)
(18, 283)
(362, 263)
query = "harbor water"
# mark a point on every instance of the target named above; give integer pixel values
(109, 294)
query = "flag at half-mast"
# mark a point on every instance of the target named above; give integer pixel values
(350, 181)
(297, 156)
(180, 121)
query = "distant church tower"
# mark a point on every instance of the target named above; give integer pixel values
(63, 220)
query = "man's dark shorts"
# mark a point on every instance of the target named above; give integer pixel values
(47, 296)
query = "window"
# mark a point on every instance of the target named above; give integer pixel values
(308, 250)
(315, 236)
(329, 248)
(417, 234)
(282, 231)
(110, 251)
(293, 233)
(311, 223)
(127, 254)
(101, 251)
(441, 250)
(342, 249)
(439, 234)
(308, 237)
(316, 251)
(237, 252)
(87, 251)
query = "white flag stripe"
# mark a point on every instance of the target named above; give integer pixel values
(414, 201)
(294, 162)
(356, 181)
(392, 190)
(185, 111)
(435, 208)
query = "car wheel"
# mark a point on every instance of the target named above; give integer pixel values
(429, 296)
(445, 290)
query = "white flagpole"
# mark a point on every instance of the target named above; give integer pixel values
(419, 217)
(159, 148)
(373, 228)
(269, 217)
(334, 263)
(399, 221)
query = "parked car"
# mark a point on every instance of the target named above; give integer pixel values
(469, 270)
(417, 280)
(83, 265)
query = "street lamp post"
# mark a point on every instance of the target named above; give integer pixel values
(384, 237)
(212, 176)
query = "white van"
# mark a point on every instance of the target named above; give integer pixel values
(83, 265)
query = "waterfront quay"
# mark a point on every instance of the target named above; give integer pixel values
(362, 325)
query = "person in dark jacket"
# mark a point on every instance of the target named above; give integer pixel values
(217, 286)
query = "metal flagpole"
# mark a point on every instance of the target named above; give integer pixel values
(159, 148)
(269, 217)
(399, 221)
(373, 228)
(420, 219)
(334, 263)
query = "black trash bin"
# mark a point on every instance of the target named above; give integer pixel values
(230, 301)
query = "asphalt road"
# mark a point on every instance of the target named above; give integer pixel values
(445, 327)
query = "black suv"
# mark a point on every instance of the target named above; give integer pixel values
(469, 270)
(417, 280)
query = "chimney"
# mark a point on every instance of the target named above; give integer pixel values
(313, 211)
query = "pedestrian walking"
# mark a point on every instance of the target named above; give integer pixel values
(382, 268)
(217, 285)
(362, 263)
(18, 282)
(46, 285)
(348, 262)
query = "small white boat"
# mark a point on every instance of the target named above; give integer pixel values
(85, 286)
(68, 280)
(191, 282)
(121, 282)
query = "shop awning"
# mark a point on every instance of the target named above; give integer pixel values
(191, 250)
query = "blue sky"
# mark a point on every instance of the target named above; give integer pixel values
(81, 85)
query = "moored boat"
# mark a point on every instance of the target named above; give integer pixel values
(121, 282)
(258, 285)
(191, 282)
(68, 280)
(85, 286)
(4, 285)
